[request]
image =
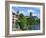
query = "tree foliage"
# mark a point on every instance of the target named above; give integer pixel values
(26, 22)
(22, 22)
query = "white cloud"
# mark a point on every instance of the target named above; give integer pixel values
(13, 11)
(34, 14)
(30, 11)
(21, 11)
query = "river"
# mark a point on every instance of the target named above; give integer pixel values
(35, 27)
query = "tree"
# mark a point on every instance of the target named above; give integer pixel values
(21, 15)
(22, 22)
(29, 19)
(38, 21)
(30, 14)
(17, 11)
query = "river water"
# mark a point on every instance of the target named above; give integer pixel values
(35, 27)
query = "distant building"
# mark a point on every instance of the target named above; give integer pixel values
(14, 19)
(35, 17)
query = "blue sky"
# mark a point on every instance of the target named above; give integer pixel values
(26, 10)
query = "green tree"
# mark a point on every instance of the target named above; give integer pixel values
(38, 21)
(22, 22)
(30, 14)
(29, 21)
(17, 11)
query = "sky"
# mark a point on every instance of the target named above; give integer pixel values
(26, 10)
